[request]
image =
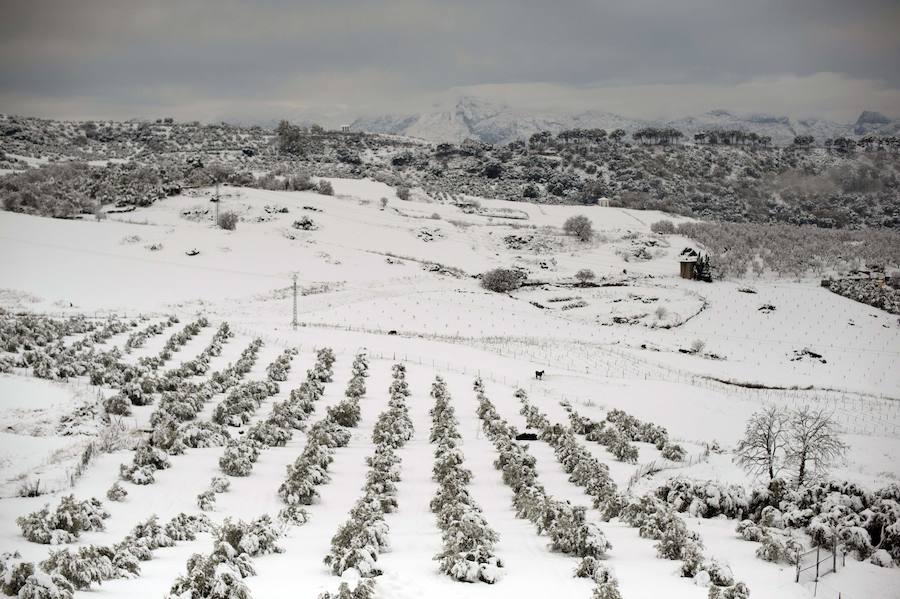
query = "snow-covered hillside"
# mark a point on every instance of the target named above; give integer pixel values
(396, 281)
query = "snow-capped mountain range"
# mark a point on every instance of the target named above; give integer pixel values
(498, 123)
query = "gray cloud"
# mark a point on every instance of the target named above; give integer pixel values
(209, 58)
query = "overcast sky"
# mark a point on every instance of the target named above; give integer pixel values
(214, 59)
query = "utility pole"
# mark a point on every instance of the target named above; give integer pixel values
(294, 323)
(216, 200)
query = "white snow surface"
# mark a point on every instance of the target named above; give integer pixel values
(364, 271)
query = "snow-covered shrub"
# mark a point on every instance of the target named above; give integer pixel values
(345, 413)
(202, 434)
(219, 484)
(606, 584)
(185, 527)
(777, 548)
(139, 475)
(692, 558)
(117, 405)
(324, 364)
(13, 573)
(358, 541)
(293, 514)
(882, 559)
(719, 574)
(116, 492)
(65, 523)
(738, 591)
(269, 434)
(206, 500)
(216, 576)
(360, 367)
(394, 426)
(362, 589)
(151, 534)
(624, 451)
(46, 586)
(82, 566)
(856, 539)
(239, 457)
(704, 499)
(147, 455)
(278, 370)
(750, 531)
(673, 452)
(257, 537)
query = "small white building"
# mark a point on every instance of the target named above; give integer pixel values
(603, 202)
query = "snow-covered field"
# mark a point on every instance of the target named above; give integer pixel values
(397, 282)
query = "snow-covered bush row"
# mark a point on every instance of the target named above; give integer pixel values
(31, 331)
(278, 370)
(565, 524)
(656, 520)
(242, 402)
(67, 570)
(310, 469)
(138, 383)
(61, 361)
(200, 364)
(583, 469)
(65, 523)
(625, 429)
(359, 541)
(394, 426)
(324, 364)
(138, 338)
(220, 575)
(174, 343)
(347, 412)
(468, 552)
(277, 429)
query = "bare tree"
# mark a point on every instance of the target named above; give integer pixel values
(765, 442)
(579, 226)
(813, 443)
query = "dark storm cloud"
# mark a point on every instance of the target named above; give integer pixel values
(239, 57)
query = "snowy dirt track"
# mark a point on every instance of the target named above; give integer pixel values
(371, 281)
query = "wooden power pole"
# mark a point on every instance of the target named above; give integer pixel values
(294, 323)
(216, 200)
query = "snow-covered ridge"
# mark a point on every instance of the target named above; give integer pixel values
(494, 122)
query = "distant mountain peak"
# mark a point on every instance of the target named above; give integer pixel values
(871, 117)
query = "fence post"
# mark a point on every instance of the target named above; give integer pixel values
(834, 552)
(817, 563)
